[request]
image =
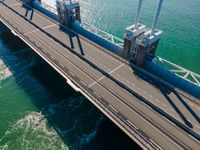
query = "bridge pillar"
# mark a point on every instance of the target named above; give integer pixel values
(68, 11)
(131, 35)
(139, 43)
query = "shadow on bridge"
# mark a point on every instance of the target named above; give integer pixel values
(69, 33)
(31, 10)
(166, 90)
(71, 36)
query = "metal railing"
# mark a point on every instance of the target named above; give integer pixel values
(178, 70)
(113, 39)
(48, 7)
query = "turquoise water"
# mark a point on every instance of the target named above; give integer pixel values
(40, 111)
(179, 21)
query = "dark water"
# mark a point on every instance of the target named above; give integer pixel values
(38, 110)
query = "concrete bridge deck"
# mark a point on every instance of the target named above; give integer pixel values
(147, 113)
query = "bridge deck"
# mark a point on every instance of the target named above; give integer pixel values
(110, 83)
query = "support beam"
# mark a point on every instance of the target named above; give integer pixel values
(156, 17)
(138, 13)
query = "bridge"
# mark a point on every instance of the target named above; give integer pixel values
(152, 112)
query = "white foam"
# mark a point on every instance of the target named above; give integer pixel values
(32, 132)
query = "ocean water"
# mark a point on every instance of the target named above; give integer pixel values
(38, 110)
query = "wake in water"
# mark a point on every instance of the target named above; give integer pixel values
(76, 121)
(31, 133)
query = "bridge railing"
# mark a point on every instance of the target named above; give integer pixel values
(49, 7)
(178, 70)
(113, 39)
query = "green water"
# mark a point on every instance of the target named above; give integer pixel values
(179, 21)
(38, 110)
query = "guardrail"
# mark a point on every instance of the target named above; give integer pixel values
(48, 7)
(113, 39)
(178, 70)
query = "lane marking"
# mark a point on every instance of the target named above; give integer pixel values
(95, 82)
(191, 104)
(164, 105)
(197, 126)
(157, 100)
(36, 30)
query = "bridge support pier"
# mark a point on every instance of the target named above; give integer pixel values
(140, 44)
(68, 11)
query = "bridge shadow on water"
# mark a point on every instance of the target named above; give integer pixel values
(78, 123)
(166, 92)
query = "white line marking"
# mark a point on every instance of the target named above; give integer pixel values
(97, 95)
(151, 96)
(61, 65)
(191, 104)
(39, 30)
(116, 68)
(95, 82)
(164, 105)
(197, 126)
(52, 57)
(113, 108)
(71, 73)
(157, 100)
(83, 83)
